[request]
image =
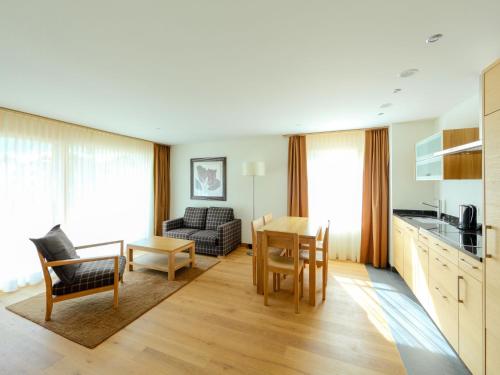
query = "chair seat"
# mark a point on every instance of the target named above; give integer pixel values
(283, 262)
(206, 236)
(91, 275)
(181, 233)
(304, 255)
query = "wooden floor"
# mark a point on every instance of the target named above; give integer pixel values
(218, 324)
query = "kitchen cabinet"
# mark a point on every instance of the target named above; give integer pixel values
(398, 247)
(491, 135)
(449, 285)
(421, 274)
(466, 165)
(470, 318)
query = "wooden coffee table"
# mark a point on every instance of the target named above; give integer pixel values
(164, 254)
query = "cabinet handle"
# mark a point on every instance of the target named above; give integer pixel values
(488, 227)
(458, 288)
(470, 265)
(442, 295)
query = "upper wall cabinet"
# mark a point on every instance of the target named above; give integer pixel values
(459, 166)
(491, 97)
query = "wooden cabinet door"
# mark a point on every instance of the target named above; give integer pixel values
(398, 246)
(443, 308)
(421, 274)
(410, 252)
(492, 263)
(470, 322)
(492, 90)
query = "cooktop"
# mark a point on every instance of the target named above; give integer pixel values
(469, 241)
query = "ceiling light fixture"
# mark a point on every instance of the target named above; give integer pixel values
(386, 105)
(380, 113)
(408, 73)
(397, 90)
(433, 38)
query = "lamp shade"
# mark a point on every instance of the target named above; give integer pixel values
(254, 168)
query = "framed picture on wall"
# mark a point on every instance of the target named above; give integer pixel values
(208, 178)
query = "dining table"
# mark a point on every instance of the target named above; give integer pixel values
(308, 231)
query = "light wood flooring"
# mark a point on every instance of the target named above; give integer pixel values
(218, 324)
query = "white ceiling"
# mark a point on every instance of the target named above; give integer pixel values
(185, 71)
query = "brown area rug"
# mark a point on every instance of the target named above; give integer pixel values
(90, 320)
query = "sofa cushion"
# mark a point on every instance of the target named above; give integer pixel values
(55, 245)
(217, 216)
(91, 275)
(195, 217)
(182, 233)
(208, 237)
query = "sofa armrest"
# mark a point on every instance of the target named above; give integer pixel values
(172, 224)
(229, 235)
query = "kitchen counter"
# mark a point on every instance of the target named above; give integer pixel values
(468, 242)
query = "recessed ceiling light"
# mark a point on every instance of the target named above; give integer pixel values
(158, 128)
(408, 73)
(397, 90)
(386, 105)
(433, 38)
(380, 113)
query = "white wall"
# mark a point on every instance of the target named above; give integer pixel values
(270, 190)
(456, 192)
(406, 192)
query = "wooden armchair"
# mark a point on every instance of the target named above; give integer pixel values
(96, 274)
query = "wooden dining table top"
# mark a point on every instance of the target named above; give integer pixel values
(303, 226)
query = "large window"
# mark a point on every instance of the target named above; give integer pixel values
(335, 185)
(99, 186)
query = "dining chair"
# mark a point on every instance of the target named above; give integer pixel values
(321, 257)
(256, 224)
(290, 265)
(268, 218)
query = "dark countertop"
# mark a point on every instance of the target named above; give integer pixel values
(468, 242)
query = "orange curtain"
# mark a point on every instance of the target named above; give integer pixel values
(297, 177)
(374, 230)
(161, 186)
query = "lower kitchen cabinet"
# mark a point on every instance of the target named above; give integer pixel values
(398, 246)
(443, 308)
(470, 318)
(421, 274)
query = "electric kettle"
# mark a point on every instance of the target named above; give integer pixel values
(468, 217)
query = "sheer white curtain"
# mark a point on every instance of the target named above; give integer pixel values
(99, 186)
(335, 184)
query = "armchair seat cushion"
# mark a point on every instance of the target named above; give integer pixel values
(208, 237)
(181, 233)
(91, 275)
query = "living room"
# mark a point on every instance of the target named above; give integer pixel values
(257, 188)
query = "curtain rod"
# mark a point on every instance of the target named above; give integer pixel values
(73, 124)
(336, 131)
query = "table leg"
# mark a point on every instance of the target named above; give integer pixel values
(312, 272)
(130, 258)
(192, 255)
(171, 266)
(260, 265)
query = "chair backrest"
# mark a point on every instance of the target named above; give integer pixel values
(268, 217)
(195, 217)
(281, 240)
(256, 224)
(326, 238)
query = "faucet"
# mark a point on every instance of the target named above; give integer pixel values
(439, 207)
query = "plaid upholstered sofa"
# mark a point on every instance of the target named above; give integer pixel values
(214, 229)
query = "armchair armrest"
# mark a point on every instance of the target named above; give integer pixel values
(172, 224)
(64, 262)
(229, 235)
(102, 244)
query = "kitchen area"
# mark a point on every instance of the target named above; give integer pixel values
(438, 234)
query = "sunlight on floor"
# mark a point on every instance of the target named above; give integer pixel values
(363, 293)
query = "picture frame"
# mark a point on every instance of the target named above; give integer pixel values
(208, 179)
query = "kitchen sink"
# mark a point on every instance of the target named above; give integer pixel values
(426, 220)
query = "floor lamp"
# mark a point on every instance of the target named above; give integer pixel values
(253, 168)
